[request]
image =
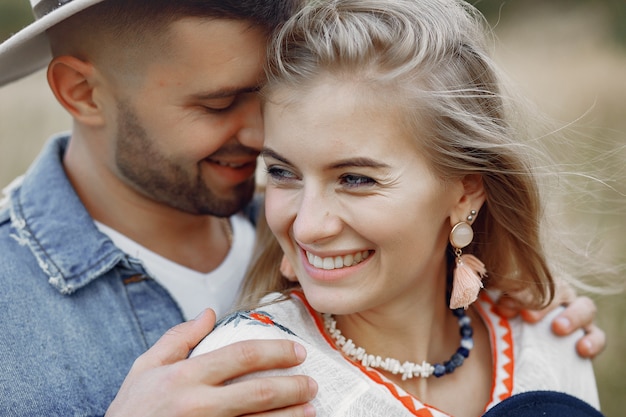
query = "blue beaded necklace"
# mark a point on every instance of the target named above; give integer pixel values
(407, 369)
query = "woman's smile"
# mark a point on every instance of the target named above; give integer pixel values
(337, 262)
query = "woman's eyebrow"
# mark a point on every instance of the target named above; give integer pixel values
(342, 163)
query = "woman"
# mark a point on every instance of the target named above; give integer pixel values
(397, 188)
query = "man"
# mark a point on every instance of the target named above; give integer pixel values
(132, 224)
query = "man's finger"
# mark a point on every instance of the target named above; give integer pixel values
(508, 306)
(277, 396)
(593, 343)
(580, 313)
(248, 356)
(303, 410)
(177, 342)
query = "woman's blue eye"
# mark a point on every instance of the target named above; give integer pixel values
(357, 180)
(277, 173)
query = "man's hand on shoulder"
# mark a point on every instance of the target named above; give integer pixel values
(579, 313)
(163, 382)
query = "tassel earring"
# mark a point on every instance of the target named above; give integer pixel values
(469, 270)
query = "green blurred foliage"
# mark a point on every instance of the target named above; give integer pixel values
(14, 15)
(498, 10)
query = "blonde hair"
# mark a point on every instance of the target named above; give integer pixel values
(429, 58)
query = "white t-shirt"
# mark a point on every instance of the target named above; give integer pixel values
(192, 290)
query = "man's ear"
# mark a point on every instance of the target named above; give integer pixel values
(72, 82)
(472, 198)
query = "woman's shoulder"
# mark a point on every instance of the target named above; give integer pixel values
(538, 359)
(277, 318)
(530, 338)
(280, 317)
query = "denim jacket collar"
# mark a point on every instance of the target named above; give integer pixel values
(50, 219)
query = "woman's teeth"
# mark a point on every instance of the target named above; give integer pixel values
(337, 262)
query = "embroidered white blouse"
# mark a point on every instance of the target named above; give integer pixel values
(525, 358)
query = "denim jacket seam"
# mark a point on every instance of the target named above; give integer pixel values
(134, 261)
(132, 310)
(57, 279)
(25, 237)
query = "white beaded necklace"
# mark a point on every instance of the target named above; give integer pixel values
(407, 369)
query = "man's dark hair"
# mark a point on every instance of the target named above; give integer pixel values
(115, 27)
(267, 14)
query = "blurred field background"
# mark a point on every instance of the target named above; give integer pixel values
(568, 56)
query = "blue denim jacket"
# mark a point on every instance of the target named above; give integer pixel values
(75, 311)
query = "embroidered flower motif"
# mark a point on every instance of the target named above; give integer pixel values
(255, 317)
(262, 318)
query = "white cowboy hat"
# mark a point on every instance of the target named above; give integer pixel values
(29, 50)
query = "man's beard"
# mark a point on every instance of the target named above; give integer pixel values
(153, 175)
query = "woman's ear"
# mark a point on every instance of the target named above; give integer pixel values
(472, 198)
(72, 82)
(286, 269)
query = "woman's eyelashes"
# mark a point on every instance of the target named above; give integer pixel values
(356, 180)
(279, 174)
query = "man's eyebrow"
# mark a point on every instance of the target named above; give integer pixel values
(343, 163)
(226, 92)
